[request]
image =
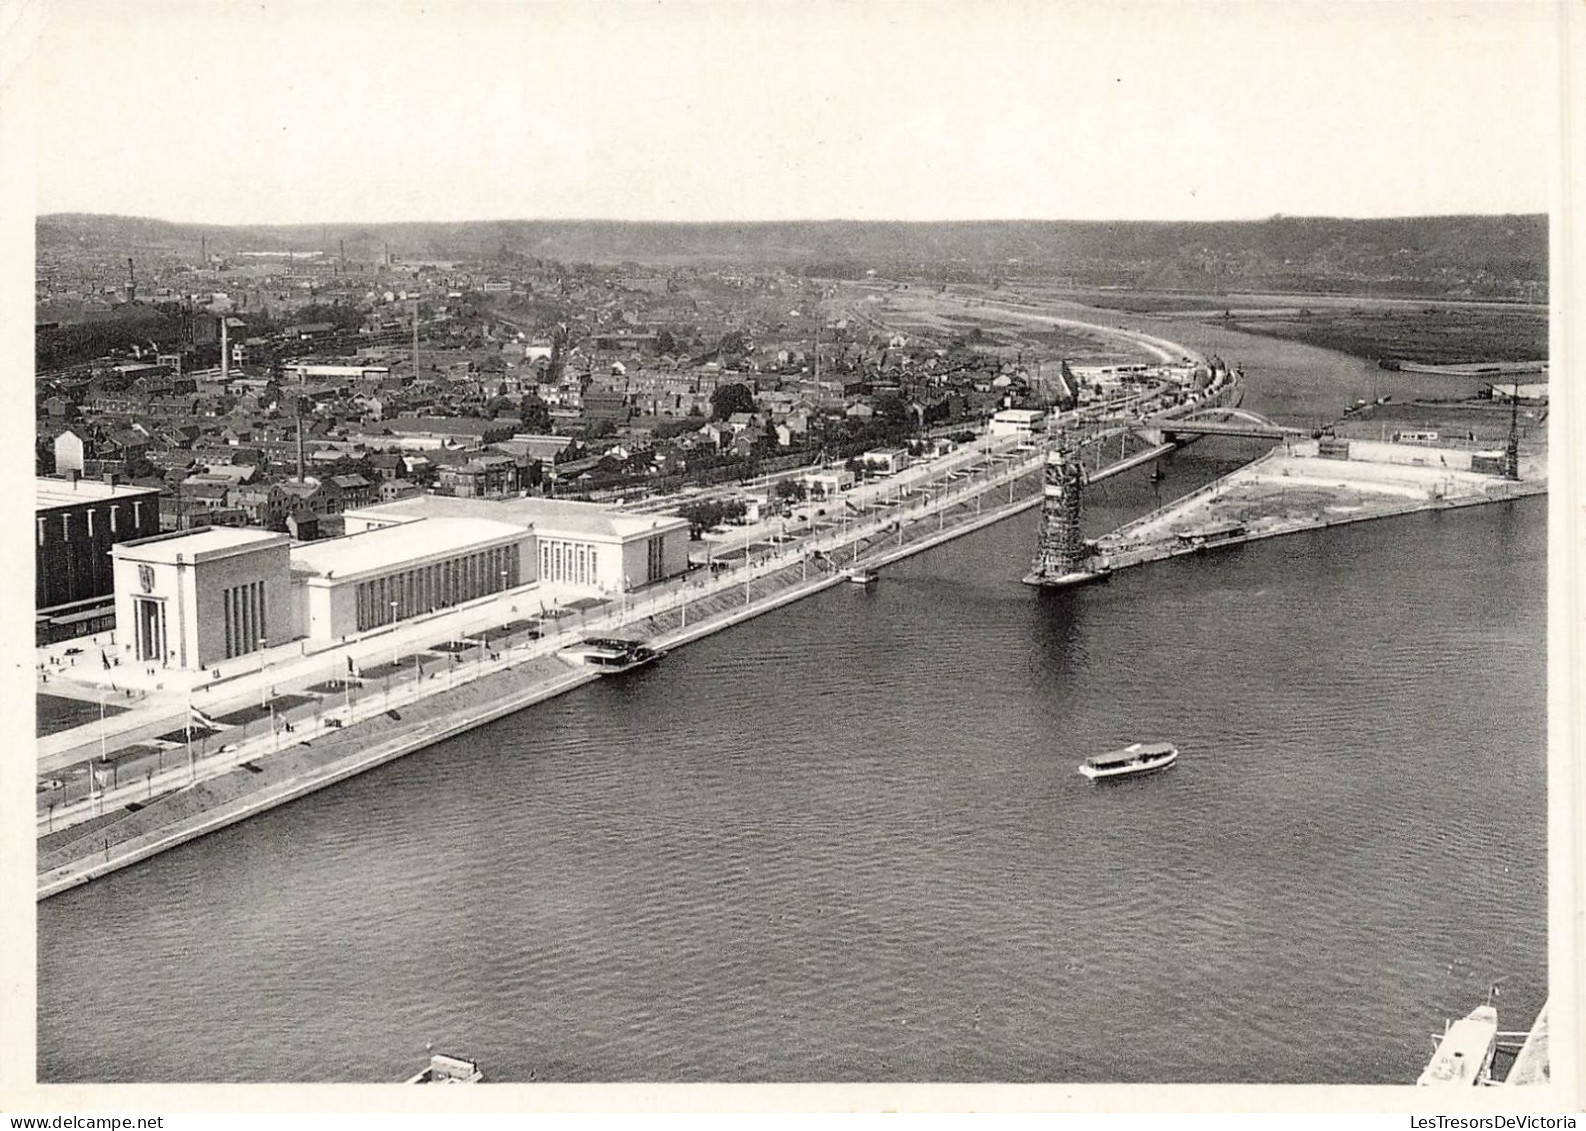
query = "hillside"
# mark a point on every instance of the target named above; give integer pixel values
(1473, 256)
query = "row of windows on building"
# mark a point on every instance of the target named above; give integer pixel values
(439, 585)
(577, 563)
(113, 528)
(246, 630)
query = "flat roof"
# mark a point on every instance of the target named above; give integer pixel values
(549, 518)
(49, 493)
(387, 548)
(209, 541)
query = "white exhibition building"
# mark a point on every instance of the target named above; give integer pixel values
(195, 598)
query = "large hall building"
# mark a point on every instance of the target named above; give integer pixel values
(193, 599)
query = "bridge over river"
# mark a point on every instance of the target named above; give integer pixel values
(1216, 421)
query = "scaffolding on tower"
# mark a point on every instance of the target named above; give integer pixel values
(1062, 556)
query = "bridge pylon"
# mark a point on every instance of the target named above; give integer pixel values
(1062, 556)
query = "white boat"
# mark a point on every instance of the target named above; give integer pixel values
(862, 576)
(610, 655)
(1465, 1051)
(449, 1070)
(1136, 758)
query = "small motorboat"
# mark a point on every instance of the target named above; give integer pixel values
(1136, 758)
(449, 1070)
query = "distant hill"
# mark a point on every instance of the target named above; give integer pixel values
(1491, 256)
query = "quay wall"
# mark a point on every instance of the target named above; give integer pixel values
(64, 876)
(1174, 548)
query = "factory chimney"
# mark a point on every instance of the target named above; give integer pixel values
(132, 282)
(203, 251)
(225, 351)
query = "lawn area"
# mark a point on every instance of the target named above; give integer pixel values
(57, 713)
(255, 711)
(1431, 336)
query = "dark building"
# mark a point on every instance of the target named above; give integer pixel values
(76, 523)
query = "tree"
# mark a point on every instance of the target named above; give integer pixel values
(536, 415)
(791, 489)
(729, 399)
(665, 343)
(708, 513)
(893, 419)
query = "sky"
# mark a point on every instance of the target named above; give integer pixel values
(227, 111)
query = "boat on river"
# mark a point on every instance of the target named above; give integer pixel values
(610, 655)
(862, 576)
(445, 1069)
(1136, 758)
(1465, 1051)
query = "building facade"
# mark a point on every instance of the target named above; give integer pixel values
(195, 599)
(578, 546)
(382, 575)
(76, 522)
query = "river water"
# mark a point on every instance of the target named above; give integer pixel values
(848, 841)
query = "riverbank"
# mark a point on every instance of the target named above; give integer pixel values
(188, 801)
(1294, 488)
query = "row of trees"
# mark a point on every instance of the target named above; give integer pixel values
(708, 513)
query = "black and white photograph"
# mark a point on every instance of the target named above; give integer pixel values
(799, 543)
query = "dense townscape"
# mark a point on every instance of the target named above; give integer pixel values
(541, 377)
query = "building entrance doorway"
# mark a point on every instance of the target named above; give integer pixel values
(149, 617)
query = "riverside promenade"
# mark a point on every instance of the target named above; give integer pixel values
(463, 669)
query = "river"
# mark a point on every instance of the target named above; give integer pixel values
(848, 841)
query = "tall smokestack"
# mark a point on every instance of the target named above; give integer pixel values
(300, 478)
(225, 351)
(132, 282)
(343, 256)
(203, 251)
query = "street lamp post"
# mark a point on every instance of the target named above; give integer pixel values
(393, 633)
(264, 688)
(91, 778)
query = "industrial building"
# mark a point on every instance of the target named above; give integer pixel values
(76, 523)
(1532, 394)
